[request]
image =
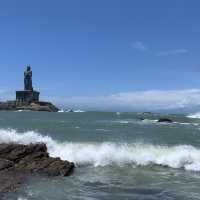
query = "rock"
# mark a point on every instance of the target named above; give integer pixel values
(17, 160)
(165, 120)
(33, 106)
(10, 181)
(5, 164)
(16, 152)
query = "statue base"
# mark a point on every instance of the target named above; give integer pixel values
(27, 96)
(36, 106)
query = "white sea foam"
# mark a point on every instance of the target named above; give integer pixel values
(79, 111)
(103, 154)
(123, 122)
(22, 111)
(194, 115)
(61, 111)
(149, 121)
(74, 111)
(102, 129)
(21, 198)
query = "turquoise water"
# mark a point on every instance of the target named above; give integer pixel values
(117, 155)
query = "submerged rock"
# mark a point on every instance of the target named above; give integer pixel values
(165, 120)
(17, 161)
(141, 118)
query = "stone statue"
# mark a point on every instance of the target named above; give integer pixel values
(28, 79)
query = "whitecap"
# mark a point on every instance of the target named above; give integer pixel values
(194, 115)
(110, 153)
(78, 111)
(61, 111)
(102, 129)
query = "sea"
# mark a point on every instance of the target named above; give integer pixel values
(117, 155)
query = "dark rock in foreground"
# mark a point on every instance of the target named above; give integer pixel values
(165, 120)
(19, 161)
(34, 106)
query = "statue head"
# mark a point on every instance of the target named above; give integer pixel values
(28, 68)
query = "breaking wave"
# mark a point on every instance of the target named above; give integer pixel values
(194, 115)
(104, 154)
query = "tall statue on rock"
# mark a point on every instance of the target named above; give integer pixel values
(28, 79)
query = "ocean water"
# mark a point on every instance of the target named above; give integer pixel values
(117, 155)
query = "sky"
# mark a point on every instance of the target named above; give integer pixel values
(103, 55)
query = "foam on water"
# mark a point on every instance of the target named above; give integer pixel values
(194, 115)
(104, 154)
(79, 111)
(66, 111)
(149, 121)
(61, 111)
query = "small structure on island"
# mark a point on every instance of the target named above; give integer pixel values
(28, 95)
(28, 99)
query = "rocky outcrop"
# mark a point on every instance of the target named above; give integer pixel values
(34, 106)
(165, 120)
(18, 161)
(8, 105)
(39, 106)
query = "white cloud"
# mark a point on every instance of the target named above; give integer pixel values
(172, 52)
(132, 101)
(150, 100)
(139, 46)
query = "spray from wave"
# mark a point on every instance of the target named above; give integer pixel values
(104, 154)
(194, 115)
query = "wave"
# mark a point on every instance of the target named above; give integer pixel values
(105, 154)
(121, 121)
(154, 122)
(194, 115)
(66, 111)
(22, 111)
(79, 111)
(134, 121)
(61, 111)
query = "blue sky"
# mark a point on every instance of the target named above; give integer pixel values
(89, 51)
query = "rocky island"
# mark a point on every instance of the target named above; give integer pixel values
(28, 99)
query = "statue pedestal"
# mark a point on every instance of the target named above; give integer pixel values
(27, 96)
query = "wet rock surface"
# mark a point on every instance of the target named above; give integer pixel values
(18, 161)
(167, 120)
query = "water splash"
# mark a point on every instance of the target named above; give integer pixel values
(105, 154)
(194, 115)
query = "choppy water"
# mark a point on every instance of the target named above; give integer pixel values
(117, 155)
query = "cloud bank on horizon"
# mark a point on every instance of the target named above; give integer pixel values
(151, 100)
